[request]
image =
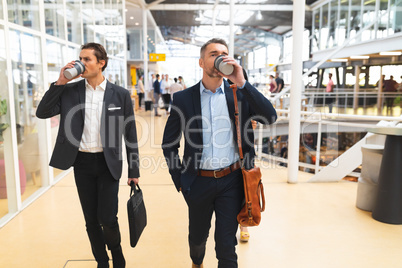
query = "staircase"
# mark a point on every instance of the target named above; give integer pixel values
(351, 159)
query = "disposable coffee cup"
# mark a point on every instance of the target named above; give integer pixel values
(78, 68)
(223, 67)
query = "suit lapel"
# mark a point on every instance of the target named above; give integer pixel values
(81, 95)
(107, 98)
(231, 108)
(197, 107)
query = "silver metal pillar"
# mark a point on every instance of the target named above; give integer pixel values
(295, 91)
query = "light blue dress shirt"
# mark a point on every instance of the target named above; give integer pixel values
(219, 147)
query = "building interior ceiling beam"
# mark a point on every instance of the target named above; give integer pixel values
(155, 3)
(257, 23)
(189, 7)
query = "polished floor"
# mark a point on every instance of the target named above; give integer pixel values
(304, 225)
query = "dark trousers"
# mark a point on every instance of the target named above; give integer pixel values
(156, 102)
(166, 100)
(98, 193)
(389, 102)
(224, 196)
(140, 97)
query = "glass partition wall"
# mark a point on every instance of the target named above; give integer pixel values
(37, 38)
(337, 20)
(27, 76)
(4, 123)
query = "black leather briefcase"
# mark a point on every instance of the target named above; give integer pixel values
(137, 215)
(148, 105)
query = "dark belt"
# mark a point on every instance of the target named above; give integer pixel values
(88, 155)
(219, 173)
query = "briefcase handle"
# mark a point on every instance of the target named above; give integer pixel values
(134, 189)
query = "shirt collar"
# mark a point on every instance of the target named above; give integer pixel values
(102, 85)
(203, 89)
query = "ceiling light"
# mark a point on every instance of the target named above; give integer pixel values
(137, 23)
(391, 53)
(126, 10)
(359, 57)
(131, 18)
(339, 60)
(259, 15)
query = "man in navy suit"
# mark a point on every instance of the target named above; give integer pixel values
(94, 115)
(209, 174)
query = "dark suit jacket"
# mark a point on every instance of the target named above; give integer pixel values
(117, 119)
(185, 117)
(157, 87)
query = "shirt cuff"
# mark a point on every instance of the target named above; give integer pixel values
(243, 85)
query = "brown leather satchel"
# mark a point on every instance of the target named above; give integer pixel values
(250, 214)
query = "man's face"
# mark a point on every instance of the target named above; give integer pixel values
(92, 66)
(207, 61)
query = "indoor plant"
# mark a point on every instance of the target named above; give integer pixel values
(3, 111)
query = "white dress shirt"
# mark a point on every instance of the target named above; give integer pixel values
(91, 140)
(165, 86)
(220, 148)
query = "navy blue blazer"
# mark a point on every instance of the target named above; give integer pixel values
(185, 118)
(117, 119)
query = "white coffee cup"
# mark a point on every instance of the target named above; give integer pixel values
(78, 68)
(223, 67)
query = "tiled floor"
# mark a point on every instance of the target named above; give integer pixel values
(305, 224)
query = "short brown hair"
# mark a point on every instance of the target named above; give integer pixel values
(99, 52)
(212, 41)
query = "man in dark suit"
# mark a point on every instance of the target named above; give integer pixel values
(209, 174)
(157, 94)
(94, 115)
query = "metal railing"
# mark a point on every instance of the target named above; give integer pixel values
(347, 99)
(343, 98)
(319, 118)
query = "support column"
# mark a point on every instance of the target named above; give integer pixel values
(214, 22)
(45, 141)
(356, 89)
(231, 31)
(10, 136)
(295, 91)
(379, 94)
(145, 49)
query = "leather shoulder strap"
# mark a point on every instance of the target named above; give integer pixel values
(237, 122)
